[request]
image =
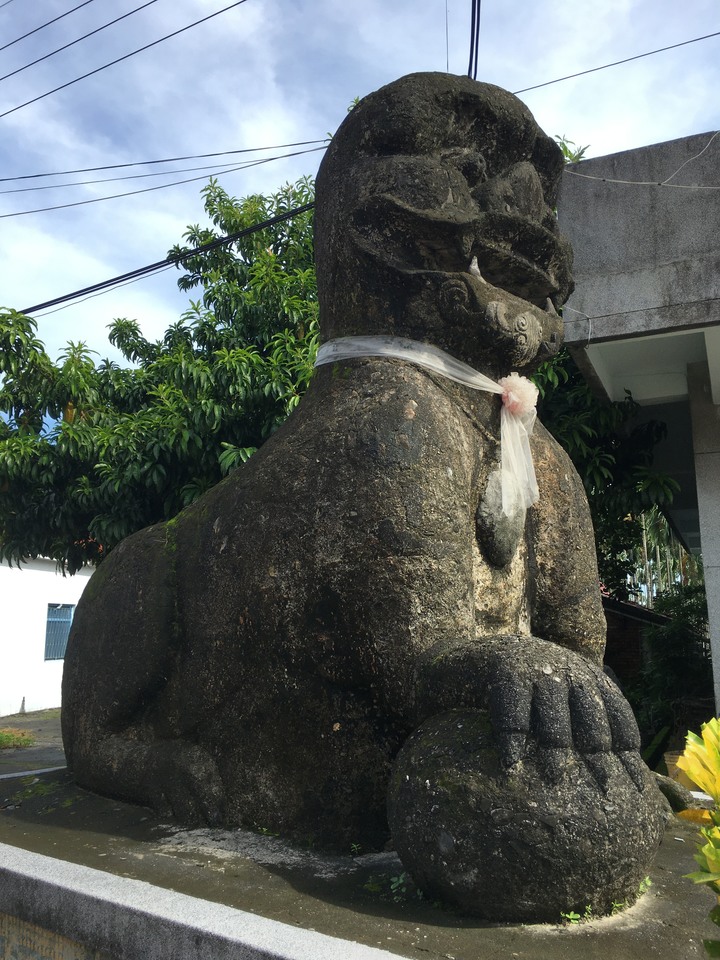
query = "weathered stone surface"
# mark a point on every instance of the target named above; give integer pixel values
(535, 802)
(678, 796)
(424, 175)
(262, 658)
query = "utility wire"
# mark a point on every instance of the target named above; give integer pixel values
(161, 265)
(655, 183)
(6, 4)
(474, 39)
(100, 293)
(42, 25)
(171, 261)
(656, 306)
(201, 156)
(647, 183)
(79, 39)
(161, 186)
(127, 56)
(447, 40)
(131, 176)
(616, 63)
(143, 163)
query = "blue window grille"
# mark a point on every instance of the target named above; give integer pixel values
(59, 619)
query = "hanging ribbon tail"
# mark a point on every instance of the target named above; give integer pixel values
(519, 483)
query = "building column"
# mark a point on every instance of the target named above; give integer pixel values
(706, 443)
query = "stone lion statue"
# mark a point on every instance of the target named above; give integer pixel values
(377, 624)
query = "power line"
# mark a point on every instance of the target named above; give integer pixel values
(646, 183)
(73, 42)
(127, 56)
(131, 176)
(657, 306)
(161, 186)
(161, 265)
(447, 40)
(100, 293)
(616, 63)
(655, 183)
(474, 39)
(171, 261)
(42, 25)
(201, 156)
(141, 163)
(6, 4)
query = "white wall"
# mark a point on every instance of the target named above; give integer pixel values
(24, 596)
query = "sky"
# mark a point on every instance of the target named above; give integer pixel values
(270, 72)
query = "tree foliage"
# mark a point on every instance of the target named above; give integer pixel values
(91, 451)
(674, 692)
(614, 457)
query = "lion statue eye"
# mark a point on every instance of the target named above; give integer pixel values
(468, 162)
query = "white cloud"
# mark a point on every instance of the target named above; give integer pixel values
(276, 71)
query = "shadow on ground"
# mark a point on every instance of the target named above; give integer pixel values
(367, 897)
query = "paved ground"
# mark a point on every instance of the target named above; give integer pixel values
(365, 898)
(47, 751)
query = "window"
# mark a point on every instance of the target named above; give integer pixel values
(59, 618)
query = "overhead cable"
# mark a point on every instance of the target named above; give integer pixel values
(142, 163)
(474, 39)
(646, 183)
(171, 261)
(616, 63)
(160, 186)
(655, 183)
(73, 42)
(217, 167)
(127, 56)
(42, 25)
(98, 293)
(447, 40)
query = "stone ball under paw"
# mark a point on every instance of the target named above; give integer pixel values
(523, 844)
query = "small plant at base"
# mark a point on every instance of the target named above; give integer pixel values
(399, 884)
(400, 888)
(355, 849)
(701, 762)
(644, 886)
(585, 917)
(264, 831)
(571, 917)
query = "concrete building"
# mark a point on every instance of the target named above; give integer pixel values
(645, 315)
(36, 608)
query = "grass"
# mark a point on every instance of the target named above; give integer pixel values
(11, 737)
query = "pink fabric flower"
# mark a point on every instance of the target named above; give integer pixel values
(519, 394)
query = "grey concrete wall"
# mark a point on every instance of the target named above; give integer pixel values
(647, 258)
(706, 440)
(646, 311)
(124, 919)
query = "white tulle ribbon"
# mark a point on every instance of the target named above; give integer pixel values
(517, 418)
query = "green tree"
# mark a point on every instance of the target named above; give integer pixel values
(674, 692)
(614, 457)
(91, 452)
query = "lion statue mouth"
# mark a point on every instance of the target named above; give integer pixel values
(512, 253)
(523, 258)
